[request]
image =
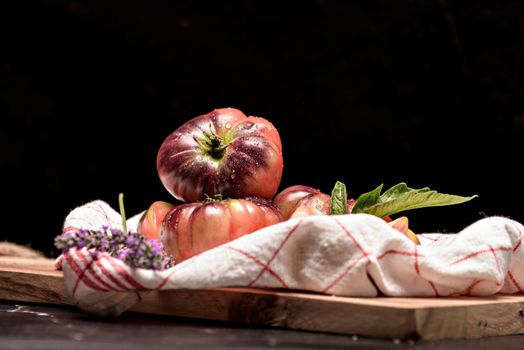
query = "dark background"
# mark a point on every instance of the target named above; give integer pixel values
(426, 92)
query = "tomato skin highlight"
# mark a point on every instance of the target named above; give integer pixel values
(221, 152)
(190, 229)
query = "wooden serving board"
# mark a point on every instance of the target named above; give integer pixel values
(36, 280)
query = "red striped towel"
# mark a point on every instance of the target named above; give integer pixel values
(347, 255)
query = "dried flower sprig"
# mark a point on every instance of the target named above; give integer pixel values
(132, 248)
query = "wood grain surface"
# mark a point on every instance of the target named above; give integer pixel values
(36, 280)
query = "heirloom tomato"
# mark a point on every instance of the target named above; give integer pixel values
(150, 221)
(192, 228)
(221, 152)
(302, 200)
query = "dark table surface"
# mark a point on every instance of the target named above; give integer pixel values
(33, 326)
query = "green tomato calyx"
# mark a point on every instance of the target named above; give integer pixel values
(218, 197)
(212, 145)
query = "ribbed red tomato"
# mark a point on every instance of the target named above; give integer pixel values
(221, 152)
(190, 229)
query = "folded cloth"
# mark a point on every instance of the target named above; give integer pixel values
(356, 255)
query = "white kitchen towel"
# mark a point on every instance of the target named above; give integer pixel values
(356, 255)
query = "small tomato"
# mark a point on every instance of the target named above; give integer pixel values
(150, 221)
(401, 224)
(192, 228)
(302, 200)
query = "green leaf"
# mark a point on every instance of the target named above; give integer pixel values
(339, 199)
(401, 198)
(398, 190)
(367, 200)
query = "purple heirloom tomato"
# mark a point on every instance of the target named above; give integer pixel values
(221, 152)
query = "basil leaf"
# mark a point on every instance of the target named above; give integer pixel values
(400, 198)
(367, 200)
(339, 199)
(398, 190)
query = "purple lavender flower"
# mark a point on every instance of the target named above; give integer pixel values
(132, 248)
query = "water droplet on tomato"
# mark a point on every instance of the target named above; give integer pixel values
(228, 125)
(232, 176)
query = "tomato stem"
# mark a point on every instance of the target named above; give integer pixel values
(216, 148)
(212, 144)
